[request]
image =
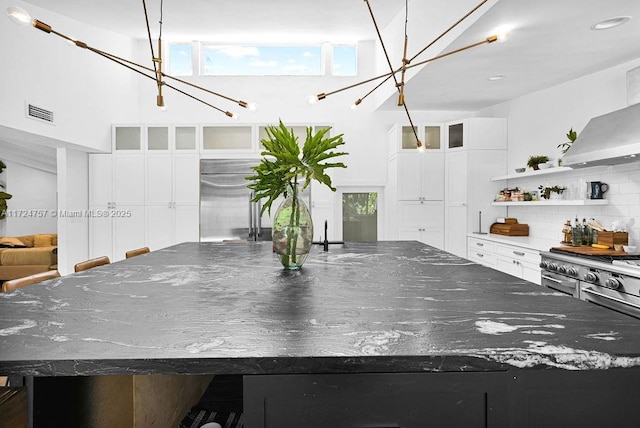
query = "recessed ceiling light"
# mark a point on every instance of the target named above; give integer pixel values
(496, 77)
(610, 23)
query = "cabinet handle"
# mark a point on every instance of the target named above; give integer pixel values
(518, 253)
(479, 244)
(479, 255)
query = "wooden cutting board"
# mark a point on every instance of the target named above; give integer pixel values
(590, 251)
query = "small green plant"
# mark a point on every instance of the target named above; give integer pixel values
(545, 192)
(3, 195)
(571, 135)
(534, 161)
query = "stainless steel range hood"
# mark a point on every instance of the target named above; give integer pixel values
(610, 139)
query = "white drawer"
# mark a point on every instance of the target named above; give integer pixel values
(480, 244)
(481, 256)
(518, 253)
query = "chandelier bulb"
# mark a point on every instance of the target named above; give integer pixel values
(19, 16)
(253, 106)
(312, 99)
(355, 104)
(420, 147)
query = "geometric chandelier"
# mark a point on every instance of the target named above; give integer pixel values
(407, 63)
(21, 17)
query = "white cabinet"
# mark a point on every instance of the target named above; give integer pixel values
(422, 221)
(172, 199)
(116, 204)
(415, 185)
(475, 151)
(145, 199)
(520, 262)
(523, 263)
(421, 176)
(481, 251)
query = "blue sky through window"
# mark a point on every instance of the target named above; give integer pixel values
(231, 60)
(345, 60)
(180, 60)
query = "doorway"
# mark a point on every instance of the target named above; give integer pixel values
(360, 216)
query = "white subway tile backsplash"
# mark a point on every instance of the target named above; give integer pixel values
(546, 222)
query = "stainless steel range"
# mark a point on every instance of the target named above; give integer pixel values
(609, 281)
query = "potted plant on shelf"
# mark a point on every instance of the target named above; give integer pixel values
(552, 192)
(285, 170)
(534, 161)
(571, 135)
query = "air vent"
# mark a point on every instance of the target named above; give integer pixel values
(39, 113)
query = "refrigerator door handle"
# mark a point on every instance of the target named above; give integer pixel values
(251, 214)
(259, 219)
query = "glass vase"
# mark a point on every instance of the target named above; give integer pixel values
(292, 231)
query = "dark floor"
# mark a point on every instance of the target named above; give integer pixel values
(221, 403)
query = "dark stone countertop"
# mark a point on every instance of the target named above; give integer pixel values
(370, 307)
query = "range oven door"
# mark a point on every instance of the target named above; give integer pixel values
(561, 283)
(620, 302)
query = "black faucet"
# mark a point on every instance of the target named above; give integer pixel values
(325, 244)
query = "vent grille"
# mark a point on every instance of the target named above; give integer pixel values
(39, 113)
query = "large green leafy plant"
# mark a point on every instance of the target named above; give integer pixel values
(284, 164)
(279, 173)
(3, 195)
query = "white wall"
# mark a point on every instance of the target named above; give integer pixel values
(539, 121)
(34, 198)
(73, 202)
(284, 97)
(85, 91)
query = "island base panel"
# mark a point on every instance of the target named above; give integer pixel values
(376, 400)
(142, 401)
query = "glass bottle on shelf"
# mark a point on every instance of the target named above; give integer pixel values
(576, 234)
(566, 232)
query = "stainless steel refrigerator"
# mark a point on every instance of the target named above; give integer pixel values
(226, 210)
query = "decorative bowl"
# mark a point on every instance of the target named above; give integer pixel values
(545, 165)
(519, 170)
(629, 249)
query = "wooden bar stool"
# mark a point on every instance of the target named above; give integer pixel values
(98, 261)
(136, 252)
(28, 280)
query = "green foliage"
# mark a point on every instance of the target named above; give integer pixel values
(283, 164)
(571, 135)
(3, 195)
(545, 192)
(536, 160)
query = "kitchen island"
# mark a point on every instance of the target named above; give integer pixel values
(375, 333)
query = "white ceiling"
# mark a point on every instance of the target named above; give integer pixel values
(551, 41)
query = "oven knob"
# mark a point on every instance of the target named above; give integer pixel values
(562, 269)
(591, 277)
(613, 283)
(544, 265)
(572, 271)
(553, 266)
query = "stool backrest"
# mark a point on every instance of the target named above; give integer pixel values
(136, 252)
(28, 280)
(98, 261)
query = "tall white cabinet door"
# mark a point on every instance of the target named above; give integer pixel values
(100, 234)
(128, 180)
(433, 175)
(187, 224)
(159, 180)
(160, 227)
(186, 179)
(409, 177)
(457, 177)
(129, 230)
(456, 230)
(100, 180)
